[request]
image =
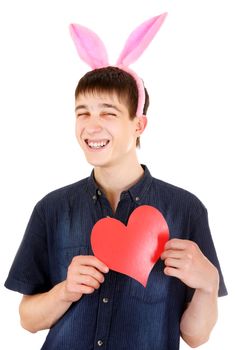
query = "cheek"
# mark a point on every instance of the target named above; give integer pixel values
(128, 132)
(78, 128)
(78, 131)
(125, 139)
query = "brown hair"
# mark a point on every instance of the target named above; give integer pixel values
(113, 80)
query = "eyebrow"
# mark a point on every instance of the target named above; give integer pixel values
(80, 107)
(108, 105)
(101, 105)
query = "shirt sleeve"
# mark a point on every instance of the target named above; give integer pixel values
(29, 273)
(200, 233)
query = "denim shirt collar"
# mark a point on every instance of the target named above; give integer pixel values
(136, 192)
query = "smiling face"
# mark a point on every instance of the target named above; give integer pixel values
(104, 129)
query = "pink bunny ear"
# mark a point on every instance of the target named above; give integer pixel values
(139, 39)
(89, 46)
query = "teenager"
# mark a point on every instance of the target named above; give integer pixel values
(66, 289)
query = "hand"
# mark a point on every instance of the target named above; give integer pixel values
(183, 259)
(85, 274)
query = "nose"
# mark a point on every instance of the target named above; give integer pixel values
(93, 126)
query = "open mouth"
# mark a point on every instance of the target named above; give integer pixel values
(96, 144)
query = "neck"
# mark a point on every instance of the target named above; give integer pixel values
(116, 179)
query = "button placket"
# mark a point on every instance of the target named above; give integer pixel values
(105, 309)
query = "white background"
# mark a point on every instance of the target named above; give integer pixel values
(190, 72)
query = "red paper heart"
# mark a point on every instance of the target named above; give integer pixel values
(133, 249)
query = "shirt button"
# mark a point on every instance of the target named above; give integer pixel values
(99, 193)
(137, 198)
(105, 300)
(94, 197)
(100, 343)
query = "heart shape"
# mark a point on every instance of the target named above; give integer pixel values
(133, 249)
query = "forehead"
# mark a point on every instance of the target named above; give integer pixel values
(100, 98)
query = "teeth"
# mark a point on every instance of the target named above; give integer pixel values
(97, 144)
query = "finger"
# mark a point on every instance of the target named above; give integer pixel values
(171, 253)
(176, 263)
(90, 260)
(91, 271)
(88, 281)
(93, 261)
(173, 272)
(179, 244)
(79, 289)
(86, 290)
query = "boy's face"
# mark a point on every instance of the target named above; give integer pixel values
(104, 130)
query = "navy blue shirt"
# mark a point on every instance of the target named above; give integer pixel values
(122, 314)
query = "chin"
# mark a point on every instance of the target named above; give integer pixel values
(96, 162)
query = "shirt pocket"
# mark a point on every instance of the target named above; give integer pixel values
(65, 256)
(69, 253)
(156, 289)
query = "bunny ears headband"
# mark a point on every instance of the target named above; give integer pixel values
(92, 50)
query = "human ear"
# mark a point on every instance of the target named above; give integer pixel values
(141, 124)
